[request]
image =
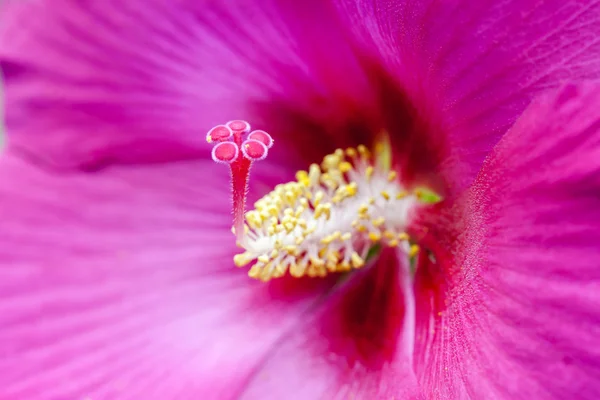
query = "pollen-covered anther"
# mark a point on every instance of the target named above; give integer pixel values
(328, 219)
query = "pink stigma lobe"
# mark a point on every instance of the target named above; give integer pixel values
(238, 125)
(225, 152)
(230, 138)
(219, 133)
(262, 137)
(254, 150)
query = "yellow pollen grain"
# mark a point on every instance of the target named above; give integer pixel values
(385, 195)
(392, 176)
(242, 259)
(345, 167)
(356, 260)
(302, 177)
(318, 198)
(352, 189)
(374, 236)
(377, 222)
(414, 250)
(351, 152)
(401, 195)
(363, 151)
(363, 208)
(403, 236)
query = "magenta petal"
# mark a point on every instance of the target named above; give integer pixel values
(510, 309)
(91, 83)
(120, 284)
(356, 344)
(480, 63)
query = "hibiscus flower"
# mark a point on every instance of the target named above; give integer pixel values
(117, 273)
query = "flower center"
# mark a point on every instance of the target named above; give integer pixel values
(329, 219)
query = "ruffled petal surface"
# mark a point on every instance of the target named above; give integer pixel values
(120, 284)
(90, 83)
(472, 67)
(509, 308)
(356, 344)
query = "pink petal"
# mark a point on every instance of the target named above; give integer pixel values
(91, 83)
(356, 344)
(510, 309)
(119, 284)
(475, 66)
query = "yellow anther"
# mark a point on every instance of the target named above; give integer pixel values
(356, 260)
(393, 243)
(363, 208)
(314, 173)
(345, 167)
(289, 227)
(351, 189)
(374, 236)
(302, 177)
(255, 271)
(291, 249)
(299, 211)
(377, 222)
(361, 228)
(297, 270)
(272, 210)
(242, 259)
(346, 236)
(327, 240)
(263, 259)
(369, 172)
(414, 250)
(403, 236)
(317, 262)
(274, 253)
(344, 266)
(388, 234)
(318, 198)
(392, 176)
(385, 195)
(363, 151)
(401, 195)
(371, 200)
(319, 210)
(350, 152)
(289, 197)
(327, 210)
(302, 223)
